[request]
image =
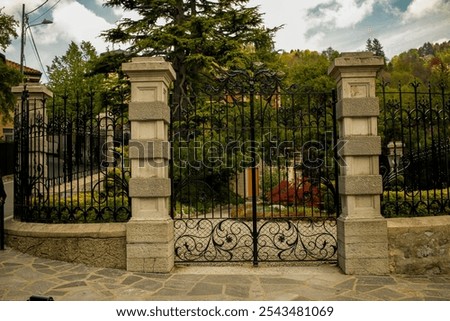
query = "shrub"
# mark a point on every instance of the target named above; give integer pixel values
(415, 203)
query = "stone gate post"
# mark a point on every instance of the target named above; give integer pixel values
(362, 231)
(150, 234)
(37, 139)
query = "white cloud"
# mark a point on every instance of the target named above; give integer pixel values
(308, 24)
(294, 19)
(73, 22)
(420, 8)
(440, 40)
(340, 13)
(14, 7)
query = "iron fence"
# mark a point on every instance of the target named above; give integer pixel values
(7, 158)
(2, 212)
(415, 162)
(71, 160)
(2, 223)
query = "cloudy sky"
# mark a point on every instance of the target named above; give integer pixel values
(344, 25)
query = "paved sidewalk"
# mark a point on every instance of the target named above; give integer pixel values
(22, 275)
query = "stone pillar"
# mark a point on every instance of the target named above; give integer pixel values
(150, 235)
(362, 231)
(37, 120)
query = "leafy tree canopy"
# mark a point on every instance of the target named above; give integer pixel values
(309, 69)
(9, 76)
(195, 35)
(8, 29)
(67, 73)
(80, 72)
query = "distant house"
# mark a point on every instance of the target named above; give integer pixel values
(32, 76)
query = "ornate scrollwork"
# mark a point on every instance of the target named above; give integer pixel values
(207, 240)
(230, 240)
(297, 240)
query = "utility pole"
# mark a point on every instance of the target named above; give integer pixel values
(25, 26)
(22, 39)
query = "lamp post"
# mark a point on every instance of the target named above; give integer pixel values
(22, 38)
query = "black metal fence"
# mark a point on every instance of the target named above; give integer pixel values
(7, 158)
(71, 160)
(415, 163)
(253, 172)
(2, 212)
(2, 222)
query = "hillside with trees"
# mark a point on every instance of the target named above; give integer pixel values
(429, 64)
(308, 69)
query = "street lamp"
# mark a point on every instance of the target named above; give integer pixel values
(22, 38)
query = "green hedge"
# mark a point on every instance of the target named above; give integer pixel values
(415, 203)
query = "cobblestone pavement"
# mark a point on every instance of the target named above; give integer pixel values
(22, 275)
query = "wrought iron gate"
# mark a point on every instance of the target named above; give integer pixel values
(254, 172)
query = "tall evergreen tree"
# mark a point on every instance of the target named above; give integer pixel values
(330, 53)
(195, 35)
(426, 49)
(375, 47)
(369, 45)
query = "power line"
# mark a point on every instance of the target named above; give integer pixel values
(38, 7)
(36, 52)
(45, 12)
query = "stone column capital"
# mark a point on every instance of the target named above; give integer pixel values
(35, 91)
(149, 69)
(350, 64)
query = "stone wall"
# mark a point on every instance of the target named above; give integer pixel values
(419, 245)
(100, 245)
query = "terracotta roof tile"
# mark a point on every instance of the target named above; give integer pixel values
(27, 70)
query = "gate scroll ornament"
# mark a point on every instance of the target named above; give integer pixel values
(253, 172)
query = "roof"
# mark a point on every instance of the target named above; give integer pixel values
(27, 70)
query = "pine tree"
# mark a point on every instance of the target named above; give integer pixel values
(426, 49)
(195, 35)
(330, 53)
(375, 47)
(369, 46)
